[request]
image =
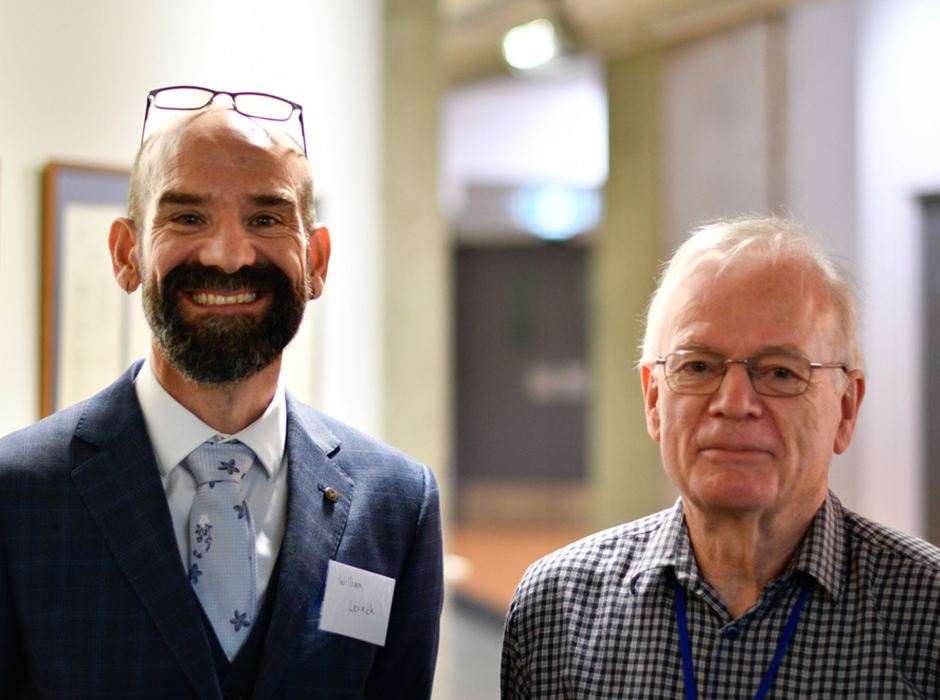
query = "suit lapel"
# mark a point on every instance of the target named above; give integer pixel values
(313, 531)
(121, 487)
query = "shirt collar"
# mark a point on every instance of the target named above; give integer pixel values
(175, 432)
(820, 554)
(662, 549)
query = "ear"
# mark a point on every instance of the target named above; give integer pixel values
(851, 401)
(651, 397)
(125, 254)
(318, 261)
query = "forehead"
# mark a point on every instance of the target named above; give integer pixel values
(222, 152)
(751, 305)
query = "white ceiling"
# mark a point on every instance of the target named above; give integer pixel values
(472, 29)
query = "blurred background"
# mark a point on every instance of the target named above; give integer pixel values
(497, 230)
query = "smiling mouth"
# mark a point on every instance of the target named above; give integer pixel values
(210, 299)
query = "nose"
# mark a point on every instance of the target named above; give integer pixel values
(736, 397)
(228, 247)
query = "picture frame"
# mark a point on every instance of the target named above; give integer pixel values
(88, 323)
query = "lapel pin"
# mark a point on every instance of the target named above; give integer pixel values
(329, 493)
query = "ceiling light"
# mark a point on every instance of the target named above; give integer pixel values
(532, 44)
(556, 212)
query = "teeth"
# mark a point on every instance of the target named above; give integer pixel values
(221, 299)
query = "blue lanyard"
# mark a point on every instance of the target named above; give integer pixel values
(687, 671)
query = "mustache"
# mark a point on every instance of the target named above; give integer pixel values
(190, 275)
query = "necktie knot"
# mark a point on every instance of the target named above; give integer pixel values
(226, 461)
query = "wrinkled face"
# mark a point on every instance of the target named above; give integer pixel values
(226, 268)
(735, 451)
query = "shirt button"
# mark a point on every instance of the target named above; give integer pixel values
(732, 634)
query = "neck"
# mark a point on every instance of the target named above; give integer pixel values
(228, 408)
(738, 556)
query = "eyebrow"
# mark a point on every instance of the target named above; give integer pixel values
(174, 198)
(272, 200)
(180, 198)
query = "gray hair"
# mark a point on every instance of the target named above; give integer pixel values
(770, 239)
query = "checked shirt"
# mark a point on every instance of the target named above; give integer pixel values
(596, 620)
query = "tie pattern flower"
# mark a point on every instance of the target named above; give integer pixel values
(222, 566)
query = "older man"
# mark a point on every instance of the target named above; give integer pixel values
(193, 531)
(757, 583)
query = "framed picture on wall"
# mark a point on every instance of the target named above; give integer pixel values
(91, 329)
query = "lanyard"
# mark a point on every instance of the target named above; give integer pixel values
(687, 671)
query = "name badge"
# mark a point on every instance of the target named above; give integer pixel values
(357, 603)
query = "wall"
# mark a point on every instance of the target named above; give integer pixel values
(898, 159)
(513, 131)
(718, 124)
(627, 479)
(821, 158)
(856, 118)
(73, 84)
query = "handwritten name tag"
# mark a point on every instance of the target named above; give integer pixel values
(357, 603)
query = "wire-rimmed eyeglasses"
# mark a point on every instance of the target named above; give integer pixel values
(772, 374)
(256, 105)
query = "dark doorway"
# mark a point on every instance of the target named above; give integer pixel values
(522, 383)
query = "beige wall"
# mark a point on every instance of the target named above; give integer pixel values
(416, 253)
(626, 480)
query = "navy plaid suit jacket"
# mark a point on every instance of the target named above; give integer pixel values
(95, 601)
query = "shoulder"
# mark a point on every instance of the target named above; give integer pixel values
(363, 457)
(568, 602)
(57, 442)
(587, 570)
(898, 576)
(887, 553)
(895, 597)
(43, 443)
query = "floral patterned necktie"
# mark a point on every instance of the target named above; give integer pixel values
(222, 566)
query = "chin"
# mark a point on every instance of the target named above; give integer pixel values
(739, 495)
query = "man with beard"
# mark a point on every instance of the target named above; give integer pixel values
(308, 562)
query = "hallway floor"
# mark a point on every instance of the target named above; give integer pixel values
(497, 557)
(491, 563)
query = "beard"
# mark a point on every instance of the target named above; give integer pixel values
(225, 349)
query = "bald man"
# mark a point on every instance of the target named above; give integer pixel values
(120, 575)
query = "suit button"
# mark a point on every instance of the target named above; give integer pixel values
(232, 694)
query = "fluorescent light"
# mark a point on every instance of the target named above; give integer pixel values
(531, 45)
(556, 212)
